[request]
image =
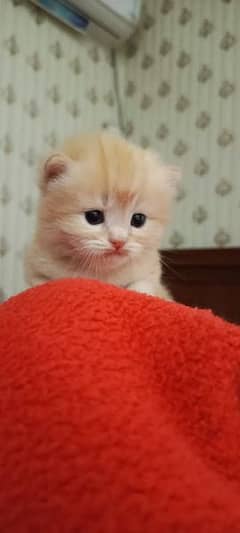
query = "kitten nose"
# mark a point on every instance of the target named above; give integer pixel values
(118, 244)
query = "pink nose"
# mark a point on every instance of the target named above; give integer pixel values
(118, 244)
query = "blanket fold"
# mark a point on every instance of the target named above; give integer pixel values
(120, 413)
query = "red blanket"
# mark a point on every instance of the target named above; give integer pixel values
(120, 413)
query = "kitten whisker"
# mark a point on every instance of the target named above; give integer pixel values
(171, 269)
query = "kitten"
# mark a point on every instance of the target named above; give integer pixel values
(103, 206)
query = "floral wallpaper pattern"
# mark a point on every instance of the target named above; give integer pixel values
(53, 83)
(174, 86)
(180, 94)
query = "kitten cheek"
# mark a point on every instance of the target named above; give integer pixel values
(134, 248)
(71, 225)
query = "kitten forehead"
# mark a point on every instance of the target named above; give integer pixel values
(125, 197)
(108, 169)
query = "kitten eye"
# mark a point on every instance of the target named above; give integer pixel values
(138, 220)
(94, 217)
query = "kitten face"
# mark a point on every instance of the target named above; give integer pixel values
(104, 202)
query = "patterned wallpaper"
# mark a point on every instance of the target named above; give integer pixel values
(175, 87)
(180, 93)
(52, 83)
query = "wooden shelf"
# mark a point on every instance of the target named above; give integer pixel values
(207, 278)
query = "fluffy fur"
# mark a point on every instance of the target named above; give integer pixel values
(101, 172)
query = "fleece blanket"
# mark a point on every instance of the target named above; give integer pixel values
(120, 413)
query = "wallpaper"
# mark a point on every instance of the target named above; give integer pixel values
(53, 83)
(174, 86)
(180, 94)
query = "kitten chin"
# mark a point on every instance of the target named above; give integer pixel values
(103, 206)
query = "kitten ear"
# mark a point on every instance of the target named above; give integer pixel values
(52, 169)
(170, 175)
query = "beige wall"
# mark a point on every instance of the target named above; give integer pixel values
(52, 84)
(179, 92)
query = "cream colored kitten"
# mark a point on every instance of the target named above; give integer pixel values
(103, 206)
